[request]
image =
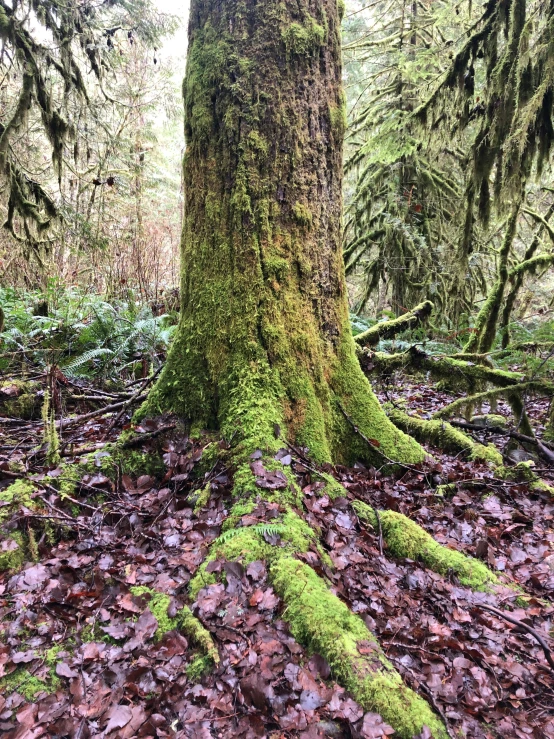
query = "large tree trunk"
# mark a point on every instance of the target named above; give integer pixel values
(264, 348)
(264, 336)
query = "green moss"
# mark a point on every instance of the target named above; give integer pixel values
(326, 626)
(26, 405)
(486, 453)
(18, 493)
(406, 539)
(446, 490)
(444, 436)
(30, 685)
(244, 481)
(158, 604)
(184, 621)
(248, 544)
(332, 488)
(199, 667)
(12, 552)
(524, 472)
(338, 117)
(240, 509)
(305, 39)
(203, 498)
(135, 463)
(489, 419)
(302, 215)
(341, 5)
(361, 405)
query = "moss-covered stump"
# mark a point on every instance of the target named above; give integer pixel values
(388, 329)
(20, 399)
(405, 538)
(444, 436)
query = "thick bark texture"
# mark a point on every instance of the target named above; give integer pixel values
(264, 336)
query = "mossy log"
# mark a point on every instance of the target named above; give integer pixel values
(20, 399)
(388, 329)
(405, 538)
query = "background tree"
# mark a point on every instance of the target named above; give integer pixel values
(74, 88)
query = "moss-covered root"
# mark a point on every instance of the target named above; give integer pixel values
(388, 329)
(524, 472)
(184, 621)
(406, 539)
(324, 624)
(441, 434)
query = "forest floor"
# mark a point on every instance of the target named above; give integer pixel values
(79, 656)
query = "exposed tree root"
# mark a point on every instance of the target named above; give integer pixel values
(185, 621)
(388, 329)
(405, 538)
(323, 623)
(443, 435)
(545, 452)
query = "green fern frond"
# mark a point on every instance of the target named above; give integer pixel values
(260, 529)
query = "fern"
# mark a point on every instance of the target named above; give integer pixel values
(86, 357)
(260, 529)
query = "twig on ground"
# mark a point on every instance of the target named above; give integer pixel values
(524, 627)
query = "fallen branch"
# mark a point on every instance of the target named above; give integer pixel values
(543, 447)
(387, 329)
(141, 438)
(65, 422)
(524, 627)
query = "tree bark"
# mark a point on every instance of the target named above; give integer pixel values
(264, 336)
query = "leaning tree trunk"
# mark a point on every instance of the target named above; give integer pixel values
(264, 336)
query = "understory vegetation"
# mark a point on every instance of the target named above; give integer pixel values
(299, 480)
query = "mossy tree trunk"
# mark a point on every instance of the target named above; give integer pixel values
(264, 336)
(264, 348)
